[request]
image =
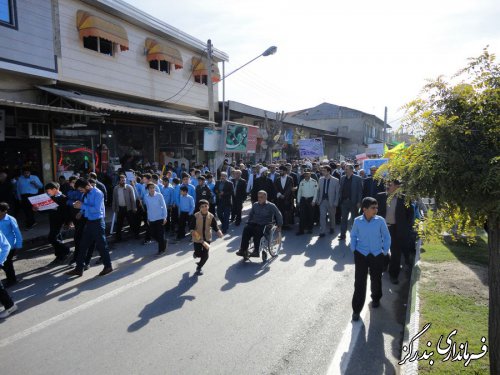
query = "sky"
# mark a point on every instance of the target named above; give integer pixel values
(361, 54)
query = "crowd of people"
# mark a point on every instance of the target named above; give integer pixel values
(169, 205)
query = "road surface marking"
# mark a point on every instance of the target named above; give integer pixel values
(113, 293)
(342, 356)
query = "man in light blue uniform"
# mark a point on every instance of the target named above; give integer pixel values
(157, 216)
(370, 242)
(168, 195)
(5, 298)
(92, 209)
(10, 229)
(28, 185)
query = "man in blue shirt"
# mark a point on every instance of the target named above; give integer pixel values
(92, 209)
(168, 195)
(10, 229)
(5, 298)
(28, 186)
(370, 242)
(186, 209)
(157, 216)
(146, 179)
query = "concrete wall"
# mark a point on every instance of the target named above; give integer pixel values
(126, 72)
(29, 48)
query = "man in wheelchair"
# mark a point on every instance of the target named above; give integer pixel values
(262, 214)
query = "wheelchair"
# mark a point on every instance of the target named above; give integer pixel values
(270, 243)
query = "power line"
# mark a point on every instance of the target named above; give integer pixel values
(200, 56)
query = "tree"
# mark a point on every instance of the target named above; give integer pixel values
(274, 130)
(456, 160)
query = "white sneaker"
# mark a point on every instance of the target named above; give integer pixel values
(4, 314)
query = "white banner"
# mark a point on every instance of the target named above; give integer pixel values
(211, 139)
(311, 148)
(43, 202)
(2, 125)
(375, 149)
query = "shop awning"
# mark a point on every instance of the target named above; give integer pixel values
(161, 51)
(48, 108)
(131, 108)
(91, 25)
(200, 69)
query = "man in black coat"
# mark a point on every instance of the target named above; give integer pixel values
(351, 193)
(284, 196)
(263, 183)
(224, 199)
(371, 186)
(399, 219)
(244, 172)
(239, 196)
(202, 192)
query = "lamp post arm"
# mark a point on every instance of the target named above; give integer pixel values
(234, 71)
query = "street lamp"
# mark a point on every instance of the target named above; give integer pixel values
(270, 51)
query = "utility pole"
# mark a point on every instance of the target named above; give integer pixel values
(210, 84)
(385, 126)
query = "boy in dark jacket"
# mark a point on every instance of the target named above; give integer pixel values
(57, 217)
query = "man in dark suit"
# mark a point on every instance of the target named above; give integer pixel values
(263, 183)
(239, 196)
(371, 186)
(224, 199)
(244, 172)
(351, 192)
(284, 196)
(399, 219)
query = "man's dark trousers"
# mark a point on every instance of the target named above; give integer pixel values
(252, 230)
(56, 240)
(223, 212)
(399, 246)
(306, 214)
(94, 231)
(5, 299)
(363, 264)
(28, 209)
(8, 266)
(158, 233)
(236, 211)
(183, 221)
(120, 217)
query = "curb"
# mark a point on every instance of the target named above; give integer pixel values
(409, 367)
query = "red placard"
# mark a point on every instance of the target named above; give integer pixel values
(253, 131)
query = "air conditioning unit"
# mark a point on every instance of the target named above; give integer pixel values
(39, 130)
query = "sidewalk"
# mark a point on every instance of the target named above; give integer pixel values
(37, 236)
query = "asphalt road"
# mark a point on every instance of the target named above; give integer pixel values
(152, 315)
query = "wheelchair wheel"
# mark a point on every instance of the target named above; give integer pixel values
(264, 256)
(275, 243)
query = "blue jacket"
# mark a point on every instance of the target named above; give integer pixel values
(168, 195)
(10, 229)
(29, 185)
(157, 209)
(93, 205)
(4, 248)
(177, 192)
(370, 237)
(186, 204)
(73, 196)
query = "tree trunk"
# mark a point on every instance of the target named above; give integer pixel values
(494, 292)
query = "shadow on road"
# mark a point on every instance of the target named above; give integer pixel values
(169, 301)
(376, 352)
(244, 272)
(342, 255)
